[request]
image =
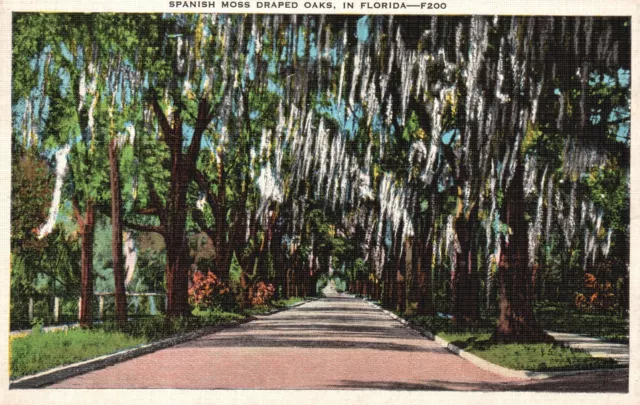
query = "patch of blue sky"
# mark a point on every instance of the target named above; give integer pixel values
(18, 112)
(251, 48)
(275, 88)
(301, 45)
(619, 113)
(594, 78)
(187, 134)
(313, 46)
(450, 136)
(127, 92)
(333, 53)
(206, 32)
(65, 52)
(608, 80)
(363, 29)
(45, 110)
(203, 81)
(497, 224)
(272, 67)
(254, 114)
(595, 118)
(80, 57)
(145, 82)
(623, 132)
(443, 184)
(624, 77)
(65, 80)
(557, 92)
(377, 123)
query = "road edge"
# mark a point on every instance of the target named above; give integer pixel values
(487, 365)
(54, 375)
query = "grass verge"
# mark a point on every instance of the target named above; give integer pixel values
(532, 357)
(39, 351)
(516, 356)
(560, 317)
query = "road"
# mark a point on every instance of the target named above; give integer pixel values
(338, 342)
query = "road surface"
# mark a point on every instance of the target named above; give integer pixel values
(338, 342)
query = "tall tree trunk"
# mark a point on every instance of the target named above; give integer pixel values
(116, 236)
(425, 299)
(86, 259)
(177, 269)
(517, 322)
(466, 310)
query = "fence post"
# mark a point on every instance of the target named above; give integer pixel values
(30, 309)
(56, 309)
(80, 308)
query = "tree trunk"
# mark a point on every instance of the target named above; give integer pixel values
(177, 268)
(86, 259)
(517, 322)
(116, 236)
(425, 298)
(466, 310)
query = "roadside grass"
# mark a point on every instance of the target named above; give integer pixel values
(40, 351)
(533, 357)
(282, 303)
(561, 317)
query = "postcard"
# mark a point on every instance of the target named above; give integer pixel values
(319, 201)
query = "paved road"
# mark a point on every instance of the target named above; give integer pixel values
(333, 343)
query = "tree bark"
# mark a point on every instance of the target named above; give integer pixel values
(86, 259)
(517, 322)
(116, 236)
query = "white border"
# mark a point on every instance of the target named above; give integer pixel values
(192, 397)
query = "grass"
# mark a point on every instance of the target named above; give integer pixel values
(533, 357)
(565, 318)
(41, 351)
(287, 302)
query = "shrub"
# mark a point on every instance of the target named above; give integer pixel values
(207, 291)
(263, 292)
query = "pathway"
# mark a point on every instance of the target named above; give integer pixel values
(337, 342)
(595, 347)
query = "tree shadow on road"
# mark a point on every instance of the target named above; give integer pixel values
(284, 340)
(589, 382)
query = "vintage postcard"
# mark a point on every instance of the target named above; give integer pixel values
(319, 201)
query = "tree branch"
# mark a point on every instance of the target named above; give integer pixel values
(76, 211)
(162, 118)
(199, 218)
(202, 122)
(205, 185)
(144, 228)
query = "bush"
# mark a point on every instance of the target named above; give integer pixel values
(263, 293)
(207, 291)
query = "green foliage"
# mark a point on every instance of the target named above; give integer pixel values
(31, 188)
(562, 317)
(283, 303)
(533, 357)
(41, 351)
